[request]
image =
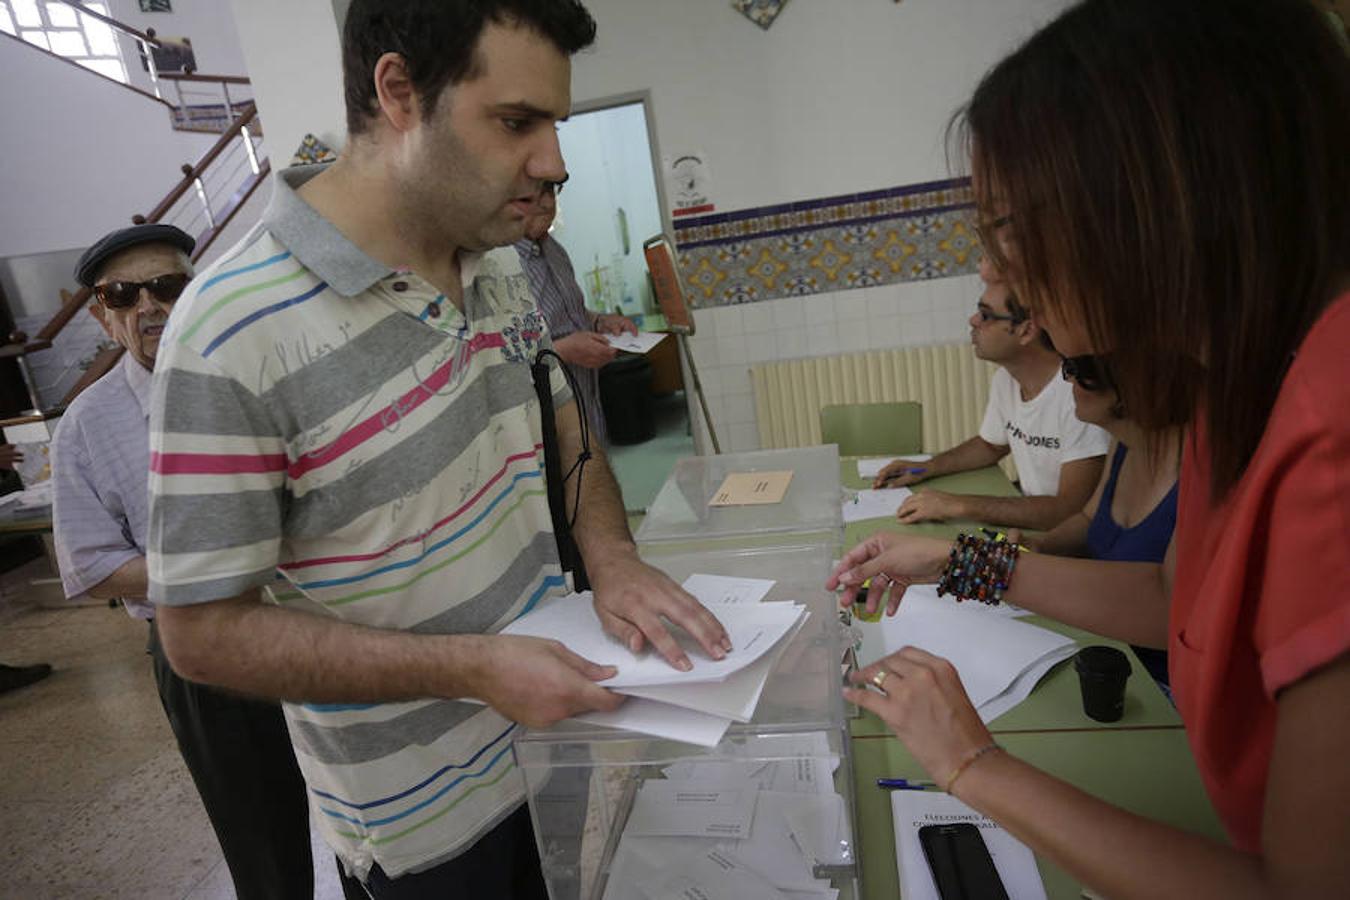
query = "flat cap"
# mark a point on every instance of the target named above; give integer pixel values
(86, 270)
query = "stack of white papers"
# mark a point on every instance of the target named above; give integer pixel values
(695, 706)
(874, 504)
(911, 810)
(741, 828)
(998, 658)
(871, 468)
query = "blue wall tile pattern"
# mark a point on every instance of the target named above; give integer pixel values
(832, 244)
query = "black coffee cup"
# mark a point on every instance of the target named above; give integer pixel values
(1102, 672)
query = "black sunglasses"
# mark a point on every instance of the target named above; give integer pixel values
(126, 294)
(1091, 372)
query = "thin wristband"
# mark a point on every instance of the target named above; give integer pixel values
(968, 762)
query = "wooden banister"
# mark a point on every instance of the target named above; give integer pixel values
(70, 305)
(192, 173)
(148, 35)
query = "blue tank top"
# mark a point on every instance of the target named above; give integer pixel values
(1145, 542)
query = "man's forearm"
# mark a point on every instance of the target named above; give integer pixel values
(1125, 601)
(269, 651)
(601, 521)
(975, 453)
(602, 526)
(1040, 513)
(129, 582)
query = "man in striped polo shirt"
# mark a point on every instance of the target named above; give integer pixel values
(345, 398)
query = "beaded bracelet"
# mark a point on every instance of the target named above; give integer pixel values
(966, 764)
(978, 569)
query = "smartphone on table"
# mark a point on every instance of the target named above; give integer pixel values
(961, 865)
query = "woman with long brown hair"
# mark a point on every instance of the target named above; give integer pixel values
(1168, 186)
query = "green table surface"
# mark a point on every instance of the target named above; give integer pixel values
(1149, 772)
(1055, 704)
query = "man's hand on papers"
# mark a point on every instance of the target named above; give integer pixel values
(585, 348)
(901, 473)
(921, 699)
(893, 562)
(538, 682)
(631, 598)
(929, 506)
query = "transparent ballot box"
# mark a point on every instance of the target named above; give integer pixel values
(769, 810)
(809, 512)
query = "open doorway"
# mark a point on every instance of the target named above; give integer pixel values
(613, 201)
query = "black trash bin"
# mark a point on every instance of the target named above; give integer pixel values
(625, 396)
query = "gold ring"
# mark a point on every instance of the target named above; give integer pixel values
(879, 679)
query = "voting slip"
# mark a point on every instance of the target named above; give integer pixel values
(1000, 660)
(874, 504)
(641, 342)
(754, 629)
(735, 697)
(911, 810)
(871, 468)
(711, 590)
(669, 809)
(752, 489)
(661, 720)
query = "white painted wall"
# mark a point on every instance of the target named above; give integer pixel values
(293, 57)
(81, 154)
(838, 96)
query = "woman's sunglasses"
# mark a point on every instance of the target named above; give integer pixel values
(1091, 372)
(126, 294)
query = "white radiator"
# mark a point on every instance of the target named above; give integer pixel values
(950, 382)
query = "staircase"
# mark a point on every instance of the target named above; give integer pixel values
(208, 194)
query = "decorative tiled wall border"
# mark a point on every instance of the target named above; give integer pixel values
(832, 244)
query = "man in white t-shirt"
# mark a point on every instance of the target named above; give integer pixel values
(1030, 414)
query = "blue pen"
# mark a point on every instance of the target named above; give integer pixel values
(904, 784)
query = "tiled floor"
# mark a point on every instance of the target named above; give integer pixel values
(94, 799)
(642, 468)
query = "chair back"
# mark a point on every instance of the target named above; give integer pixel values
(873, 429)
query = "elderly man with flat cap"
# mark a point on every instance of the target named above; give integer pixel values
(237, 748)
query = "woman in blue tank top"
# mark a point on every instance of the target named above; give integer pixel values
(1131, 515)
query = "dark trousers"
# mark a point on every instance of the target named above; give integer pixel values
(239, 753)
(503, 865)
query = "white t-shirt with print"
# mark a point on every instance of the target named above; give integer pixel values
(1043, 433)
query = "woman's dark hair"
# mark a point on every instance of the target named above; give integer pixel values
(1178, 176)
(439, 39)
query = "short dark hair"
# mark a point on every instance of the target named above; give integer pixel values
(438, 39)
(1179, 176)
(1020, 314)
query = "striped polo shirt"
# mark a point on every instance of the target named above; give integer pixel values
(317, 415)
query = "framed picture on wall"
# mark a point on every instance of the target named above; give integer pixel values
(156, 6)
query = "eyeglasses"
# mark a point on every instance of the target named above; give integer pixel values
(987, 315)
(987, 232)
(1092, 373)
(126, 294)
